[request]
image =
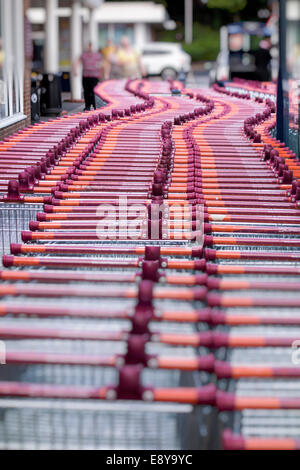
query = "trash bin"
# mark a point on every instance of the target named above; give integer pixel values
(35, 104)
(65, 82)
(51, 94)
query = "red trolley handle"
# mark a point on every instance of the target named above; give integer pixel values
(230, 401)
(191, 395)
(231, 441)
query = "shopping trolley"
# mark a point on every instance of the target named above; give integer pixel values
(255, 306)
(102, 312)
(14, 219)
(151, 320)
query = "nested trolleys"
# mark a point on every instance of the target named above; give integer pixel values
(73, 163)
(256, 295)
(257, 284)
(42, 156)
(164, 312)
(115, 352)
(108, 330)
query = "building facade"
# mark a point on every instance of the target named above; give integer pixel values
(15, 66)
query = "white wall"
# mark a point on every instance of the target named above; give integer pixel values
(141, 34)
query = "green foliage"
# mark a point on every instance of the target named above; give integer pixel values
(231, 5)
(205, 45)
(254, 42)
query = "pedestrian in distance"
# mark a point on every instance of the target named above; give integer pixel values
(109, 52)
(92, 71)
(129, 60)
(262, 61)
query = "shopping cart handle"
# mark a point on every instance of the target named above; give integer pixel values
(204, 315)
(200, 293)
(293, 190)
(232, 441)
(287, 177)
(49, 200)
(136, 353)
(206, 362)
(225, 400)
(145, 293)
(7, 260)
(217, 317)
(24, 181)
(41, 217)
(200, 264)
(205, 338)
(152, 253)
(210, 254)
(13, 192)
(214, 300)
(223, 369)
(211, 268)
(150, 270)
(206, 394)
(26, 236)
(34, 390)
(208, 239)
(213, 283)
(48, 208)
(197, 252)
(129, 386)
(220, 339)
(195, 396)
(33, 225)
(15, 248)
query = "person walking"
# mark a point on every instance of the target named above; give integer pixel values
(108, 51)
(129, 60)
(92, 72)
(262, 61)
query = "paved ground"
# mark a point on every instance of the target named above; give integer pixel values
(195, 79)
(71, 107)
(198, 79)
(67, 107)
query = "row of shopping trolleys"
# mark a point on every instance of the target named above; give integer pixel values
(176, 323)
(125, 317)
(39, 157)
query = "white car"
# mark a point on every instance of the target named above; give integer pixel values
(166, 59)
(220, 70)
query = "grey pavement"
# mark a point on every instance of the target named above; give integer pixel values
(195, 79)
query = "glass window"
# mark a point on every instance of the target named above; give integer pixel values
(155, 52)
(114, 32)
(102, 35)
(11, 58)
(121, 30)
(64, 43)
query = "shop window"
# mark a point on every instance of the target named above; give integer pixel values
(11, 61)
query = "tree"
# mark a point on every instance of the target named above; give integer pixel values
(231, 5)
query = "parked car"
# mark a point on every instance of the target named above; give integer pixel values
(166, 59)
